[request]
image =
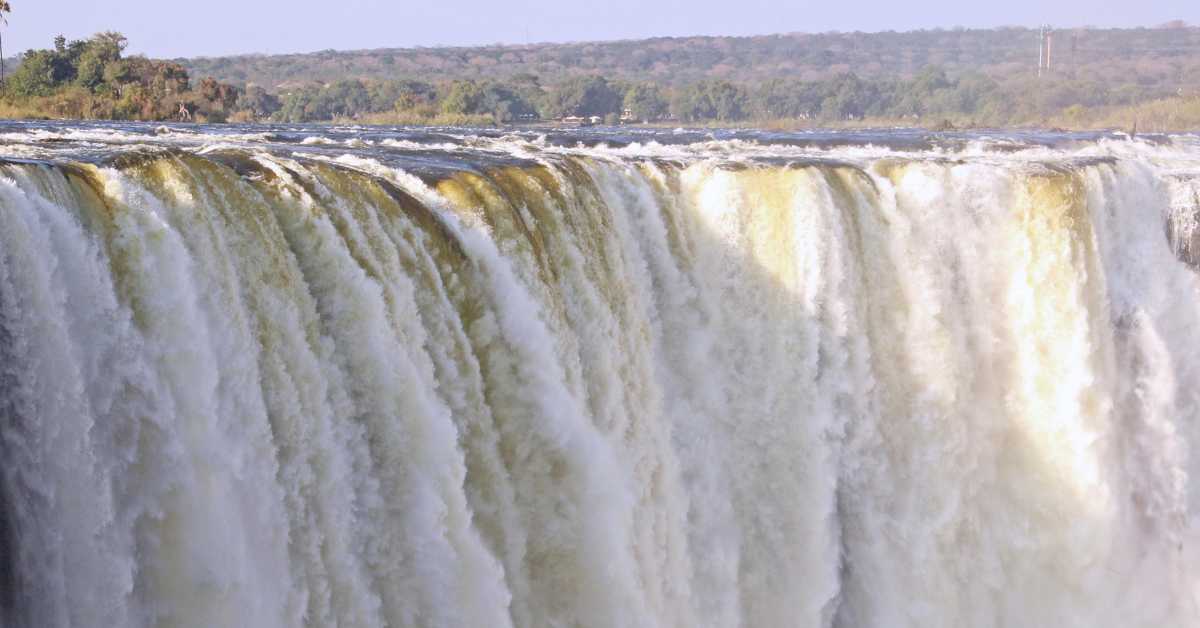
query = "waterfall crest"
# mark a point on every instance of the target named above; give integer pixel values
(599, 387)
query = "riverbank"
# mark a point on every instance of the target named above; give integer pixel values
(1180, 114)
(1169, 115)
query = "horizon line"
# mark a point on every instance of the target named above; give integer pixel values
(1168, 25)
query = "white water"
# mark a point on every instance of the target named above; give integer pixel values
(604, 391)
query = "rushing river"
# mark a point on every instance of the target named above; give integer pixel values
(337, 376)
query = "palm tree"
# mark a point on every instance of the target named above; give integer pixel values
(4, 11)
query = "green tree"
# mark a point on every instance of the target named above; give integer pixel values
(710, 100)
(584, 96)
(464, 97)
(412, 94)
(108, 45)
(90, 73)
(505, 103)
(850, 97)
(728, 100)
(346, 98)
(691, 104)
(297, 103)
(918, 96)
(117, 74)
(645, 102)
(101, 50)
(35, 76)
(781, 98)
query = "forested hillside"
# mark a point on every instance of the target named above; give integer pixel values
(926, 78)
(1167, 56)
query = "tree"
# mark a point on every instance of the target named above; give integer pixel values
(258, 101)
(645, 102)
(89, 78)
(785, 98)
(296, 103)
(108, 45)
(347, 98)
(728, 100)
(710, 100)
(504, 103)
(117, 73)
(411, 94)
(90, 73)
(465, 97)
(584, 96)
(917, 96)
(96, 54)
(35, 76)
(849, 97)
(691, 104)
(5, 9)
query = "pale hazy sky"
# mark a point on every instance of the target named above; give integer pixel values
(172, 28)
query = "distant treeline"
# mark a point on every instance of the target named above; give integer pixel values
(931, 95)
(981, 76)
(92, 79)
(1164, 57)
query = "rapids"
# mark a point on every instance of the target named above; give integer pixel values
(292, 376)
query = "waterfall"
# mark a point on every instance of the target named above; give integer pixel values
(566, 386)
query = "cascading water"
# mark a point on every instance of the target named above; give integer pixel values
(388, 379)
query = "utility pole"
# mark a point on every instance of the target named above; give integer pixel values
(1049, 48)
(1045, 48)
(1041, 49)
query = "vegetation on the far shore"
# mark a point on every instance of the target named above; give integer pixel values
(1154, 116)
(94, 79)
(931, 99)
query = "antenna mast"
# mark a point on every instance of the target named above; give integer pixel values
(1041, 49)
(1045, 48)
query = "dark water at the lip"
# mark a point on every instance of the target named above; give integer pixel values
(436, 150)
(898, 138)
